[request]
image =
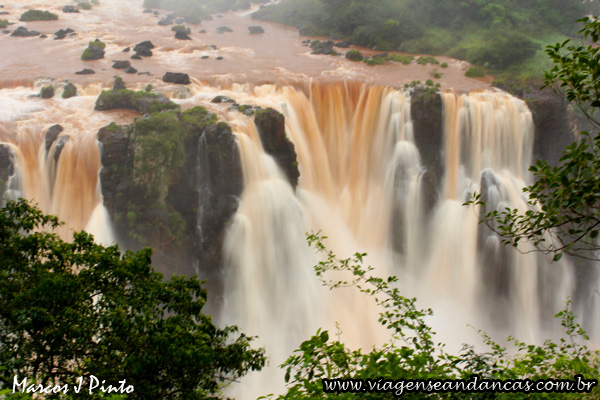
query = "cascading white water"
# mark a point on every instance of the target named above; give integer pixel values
(360, 184)
(68, 185)
(355, 153)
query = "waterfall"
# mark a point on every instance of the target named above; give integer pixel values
(360, 184)
(59, 175)
(356, 157)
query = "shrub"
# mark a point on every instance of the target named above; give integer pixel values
(37, 15)
(413, 353)
(444, 65)
(427, 60)
(475, 72)
(403, 58)
(436, 74)
(375, 61)
(84, 5)
(181, 28)
(429, 82)
(3, 23)
(354, 55)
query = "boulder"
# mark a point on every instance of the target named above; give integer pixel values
(118, 84)
(131, 70)
(70, 9)
(86, 71)
(24, 32)
(254, 30)
(177, 78)
(47, 92)
(165, 21)
(222, 99)
(144, 48)
(69, 91)
(219, 58)
(181, 35)
(223, 29)
(121, 64)
(51, 135)
(202, 31)
(322, 47)
(271, 128)
(126, 49)
(62, 33)
(147, 11)
(94, 51)
(136, 57)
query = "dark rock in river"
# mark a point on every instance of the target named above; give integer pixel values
(343, 45)
(118, 83)
(69, 91)
(136, 57)
(147, 11)
(51, 135)
(223, 29)
(165, 21)
(322, 47)
(47, 92)
(222, 99)
(126, 49)
(121, 64)
(144, 48)
(24, 32)
(181, 35)
(254, 30)
(62, 33)
(131, 70)
(70, 9)
(85, 71)
(176, 77)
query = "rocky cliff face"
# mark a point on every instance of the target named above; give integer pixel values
(181, 208)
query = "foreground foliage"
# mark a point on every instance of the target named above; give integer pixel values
(70, 310)
(412, 352)
(564, 205)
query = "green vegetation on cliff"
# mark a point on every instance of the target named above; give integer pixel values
(37, 15)
(3, 23)
(502, 35)
(194, 11)
(141, 101)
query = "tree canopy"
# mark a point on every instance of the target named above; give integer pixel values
(564, 205)
(77, 309)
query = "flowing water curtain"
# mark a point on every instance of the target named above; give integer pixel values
(352, 143)
(488, 147)
(270, 287)
(61, 176)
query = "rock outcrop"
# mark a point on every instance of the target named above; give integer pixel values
(177, 78)
(271, 127)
